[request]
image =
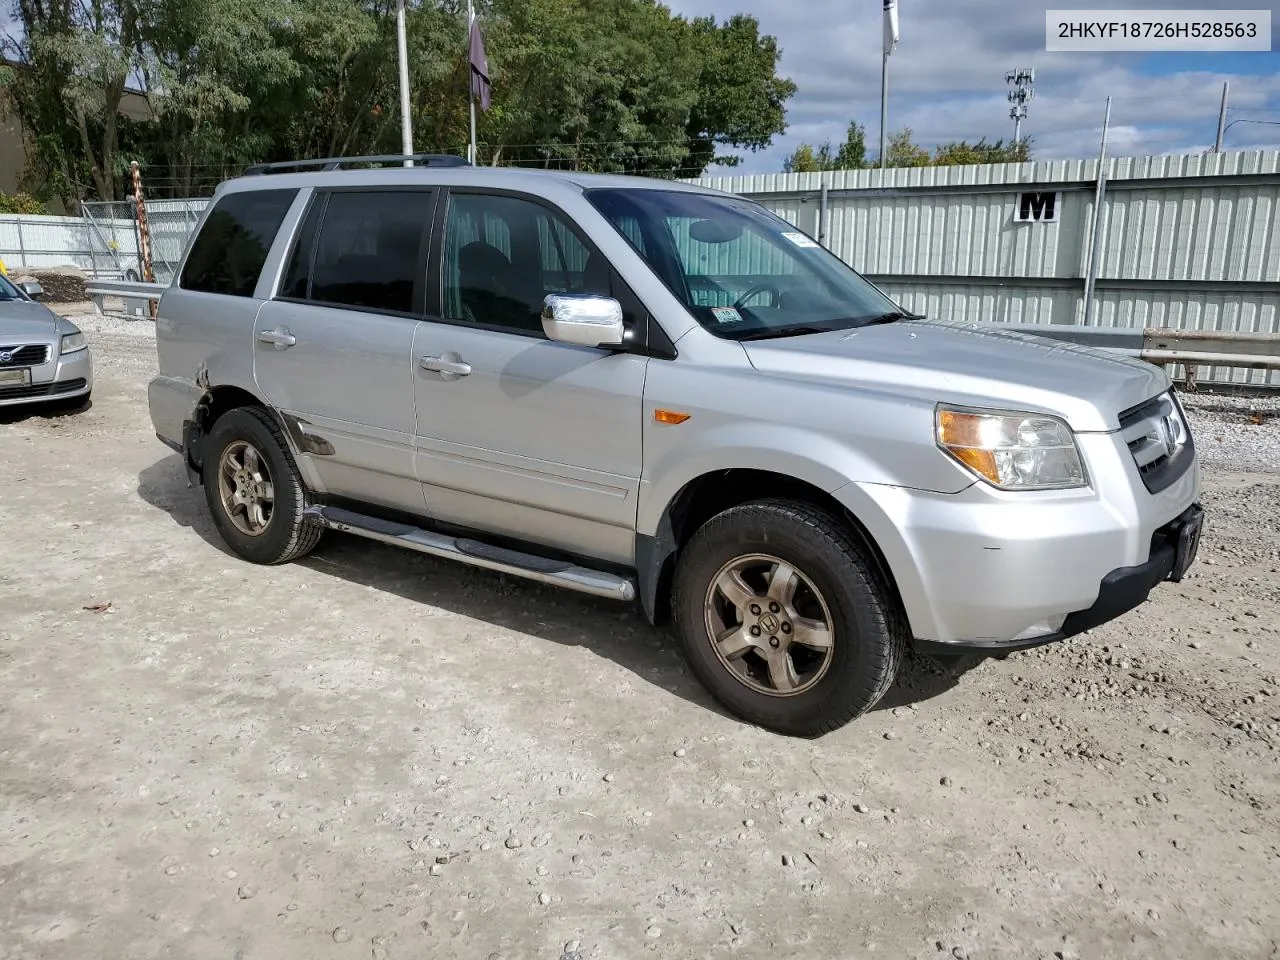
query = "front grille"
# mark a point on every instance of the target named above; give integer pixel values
(1159, 440)
(36, 390)
(24, 355)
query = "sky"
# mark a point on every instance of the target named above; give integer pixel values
(947, 78)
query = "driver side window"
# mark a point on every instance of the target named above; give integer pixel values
(719, 273)
(503, 255)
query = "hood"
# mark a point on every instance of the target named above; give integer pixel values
(25, 318)
(970, 365)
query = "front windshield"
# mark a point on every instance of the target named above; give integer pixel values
(742, 272)
(7, 290)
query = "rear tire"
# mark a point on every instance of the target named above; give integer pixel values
(254, 490)
(828, 637)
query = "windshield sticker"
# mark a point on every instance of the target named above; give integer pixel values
(800, 240)
(726, 314)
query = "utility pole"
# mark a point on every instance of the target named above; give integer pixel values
(402, 45)
(1023, 92)
(884, 112)
(1222, 117)
(1095, 246)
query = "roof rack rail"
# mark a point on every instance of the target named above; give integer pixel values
(338, 163)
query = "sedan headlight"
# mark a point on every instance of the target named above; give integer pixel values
(72, 342)
(1012, 451)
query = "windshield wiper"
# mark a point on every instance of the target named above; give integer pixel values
(783, 332)
(841, 324)
(893, 317)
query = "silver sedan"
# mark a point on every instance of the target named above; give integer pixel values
(43, 357)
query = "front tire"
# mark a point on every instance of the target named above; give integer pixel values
(784, 618)
(254, 490)
(71, 404)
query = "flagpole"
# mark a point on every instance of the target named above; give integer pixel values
(884, 110)
(471, 94)
(402, 49)
(890, 44)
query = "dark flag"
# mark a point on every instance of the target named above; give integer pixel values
(481, 87)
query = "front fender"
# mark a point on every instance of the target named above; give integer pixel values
(800, 453)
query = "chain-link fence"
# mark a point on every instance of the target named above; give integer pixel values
(112, 228)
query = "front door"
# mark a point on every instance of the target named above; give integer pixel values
(333, 351)
(518, 435)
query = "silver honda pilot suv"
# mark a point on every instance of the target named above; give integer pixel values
(644, 390)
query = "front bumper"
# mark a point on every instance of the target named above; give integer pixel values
(1173, 550)
(984, 569)
(63, 377)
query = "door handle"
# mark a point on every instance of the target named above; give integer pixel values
(450, 366)
(280, 338)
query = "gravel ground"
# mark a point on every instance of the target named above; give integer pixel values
(1235, 432)
(373, 754)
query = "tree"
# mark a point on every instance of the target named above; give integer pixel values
(76, 61)
(22, 203)
(902, 151)
(962, 152)
(613, 85)
(623, 86)
(741, 101)
(852, 154)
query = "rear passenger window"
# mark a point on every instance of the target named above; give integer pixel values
(228, 255)
(367, 252)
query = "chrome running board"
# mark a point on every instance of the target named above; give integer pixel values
(559, 573)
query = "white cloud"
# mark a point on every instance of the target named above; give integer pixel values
(947, 80)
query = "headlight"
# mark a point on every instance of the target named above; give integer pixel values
(72, 342)
(1012, 451)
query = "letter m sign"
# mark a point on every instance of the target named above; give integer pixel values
(1038, 208)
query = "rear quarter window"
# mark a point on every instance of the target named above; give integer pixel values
(228, 254)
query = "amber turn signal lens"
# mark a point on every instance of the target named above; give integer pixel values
(961, 433)
(980, 461)
(957, 429)
(672, 417)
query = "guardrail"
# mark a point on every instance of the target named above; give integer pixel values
(1163, 346)
(139, 297)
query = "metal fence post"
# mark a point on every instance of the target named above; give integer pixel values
(822, 215)
(22, 247)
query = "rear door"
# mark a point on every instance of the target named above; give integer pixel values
(333, 349)
(516, 434)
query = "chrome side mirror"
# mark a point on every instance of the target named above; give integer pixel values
(32, 289)
(583, 320)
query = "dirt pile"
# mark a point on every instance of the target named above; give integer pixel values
(61, 284)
